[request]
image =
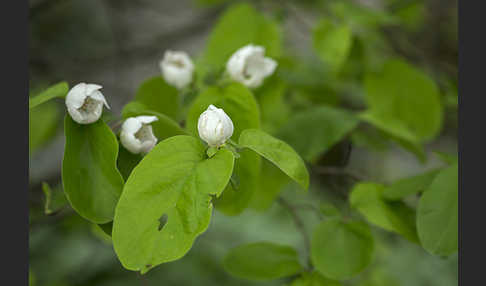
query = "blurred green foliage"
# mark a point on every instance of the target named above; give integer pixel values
(371, 81)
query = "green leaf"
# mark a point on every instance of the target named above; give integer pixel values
(272, 180)
(437, 213)
(240, 25)
(314, 131)
(274, 108)
(392, 216)
(127, 161)
(91, 180)
(166, 202)
(339, 249)
(446, 157)
(163, 128)
(240, 105)
(412, 16)
(360, 16)
(55, 199)
(314, 279)
(55, 91)
(159, 96)
(372, 139)
(332, 43)
(329, 210)
(404, 101)
(43, 125)
(235, 199)
(409, 186)
(278, 152)
(262, 261)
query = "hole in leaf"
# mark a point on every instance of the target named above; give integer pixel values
(162, 221)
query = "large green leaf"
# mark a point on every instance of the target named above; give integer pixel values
(392, 216)
(166, 202)
(332, 43)
(341, 249)
(159, 96)
(58, 90)
(272, 180)
(314, 279)
(278, 152)
(313, 132)
(164, 127)
(262, 261)
(404, 101)
(409, 186)
(240, 105)
(437, 213)
(90, 178)
(240, 25)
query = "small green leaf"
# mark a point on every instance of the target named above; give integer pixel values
(409, 186)
(262, 261)
(175, 180)
(56, 91)
(339, 249)
(55, 199)
(392, 216)
(437, 213)
(164, 127)
(91, 180)
(404, 101)
(211, 151)
(278, 152)
(332, 43)
(314, 131)
(159, 96)
(314, 279)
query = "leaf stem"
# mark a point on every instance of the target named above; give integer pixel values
(300, 226)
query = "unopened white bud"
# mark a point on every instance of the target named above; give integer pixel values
(249, 66)
(136, 134)
(177, 68)
(214, 126)
(85, 102)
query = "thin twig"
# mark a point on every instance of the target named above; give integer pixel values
(339, 171)
(298, 223)
(116, 125)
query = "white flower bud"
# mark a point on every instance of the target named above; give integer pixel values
(249, 66)
(136, 134)
(85, 103)
(177, 68)
(214, 126)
